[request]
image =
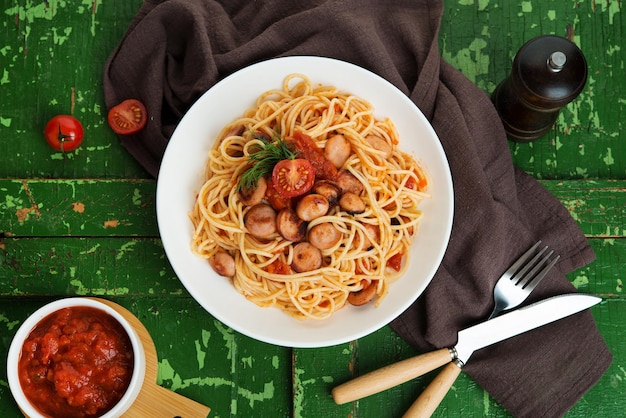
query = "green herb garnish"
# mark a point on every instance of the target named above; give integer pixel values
(264, 159)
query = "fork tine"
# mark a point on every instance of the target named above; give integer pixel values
(528, 275)
(539, 277)
(520, 261)
(519, 275)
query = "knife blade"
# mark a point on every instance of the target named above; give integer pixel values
(469, 340)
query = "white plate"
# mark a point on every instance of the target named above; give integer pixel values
(181, 176)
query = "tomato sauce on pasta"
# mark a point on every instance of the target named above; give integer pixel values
(373, 244)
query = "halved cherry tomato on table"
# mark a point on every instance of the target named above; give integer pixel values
(293, 178)
(128, 117)
(64, 133)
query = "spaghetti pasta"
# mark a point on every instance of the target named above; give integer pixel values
(373, 245)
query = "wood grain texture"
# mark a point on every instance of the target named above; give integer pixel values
(154, 400)
(84, 223)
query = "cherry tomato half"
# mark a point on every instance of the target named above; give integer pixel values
(293, 178)
(128, 117)
(64, 133)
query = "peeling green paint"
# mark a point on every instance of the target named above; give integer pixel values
(228, 336)
(619, 288)
(247, 361)
(91, 250)
(58, 38)
(9, 324)
(472, 61)
(83, 290)
(137, 197)
(482, 4)
(581, 280)
(200, 355)
(126, 247)
(5, 80)
(166, 373)
(298, 395)
(581, 172)
(486, 403)
(608, 158)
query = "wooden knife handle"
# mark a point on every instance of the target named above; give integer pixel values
(390, 376)
(430, 399)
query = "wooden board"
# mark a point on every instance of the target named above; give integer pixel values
(84, 223)
(153, 400)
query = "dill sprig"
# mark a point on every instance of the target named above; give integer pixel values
(264, 159)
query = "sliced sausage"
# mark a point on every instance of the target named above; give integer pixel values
(337, 150)
(371, 236)
(223, 264)
(312, 206)
(306, 257)
(290, 226)
(324, 236)
(379, 144)
(260, 220)
(330, 190)
(364, 295)
(347, 182)
(234, 131)
(352, 203)
(252, 196)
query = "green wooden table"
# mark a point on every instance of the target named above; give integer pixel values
(84, 223)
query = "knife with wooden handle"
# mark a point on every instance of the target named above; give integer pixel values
(469, 340)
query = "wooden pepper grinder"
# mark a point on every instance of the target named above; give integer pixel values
(548, 72)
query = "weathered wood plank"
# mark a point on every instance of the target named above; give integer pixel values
(52, 58)
(464, 399)
(599, 206)
(122, 267)
(93, 207)
(481, 38)
(60, 207)
(198, 357)
(338, 364)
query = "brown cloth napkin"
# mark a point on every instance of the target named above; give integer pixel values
(175, 50)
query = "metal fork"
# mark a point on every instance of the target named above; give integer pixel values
(511, 289)
(521, 278)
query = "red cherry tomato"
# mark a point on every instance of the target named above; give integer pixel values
(293, 178)
(128, 117)
(64, 133)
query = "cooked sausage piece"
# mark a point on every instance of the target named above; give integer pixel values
(223, 264)
(364, 295)
(330, 190)
(253, 195)
(324, 236)
(380, 144)
(312, 206)
(371, 236)
(234, 131)
(306, 257)
(290, 226)
(260, 220)
(337, 150)
(348, 183)
(352, 203)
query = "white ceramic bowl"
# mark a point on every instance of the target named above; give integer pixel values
(29, 324)
(181, 176)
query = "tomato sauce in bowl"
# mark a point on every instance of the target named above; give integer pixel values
(77, 360)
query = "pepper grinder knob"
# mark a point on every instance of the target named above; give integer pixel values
(548, 72)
